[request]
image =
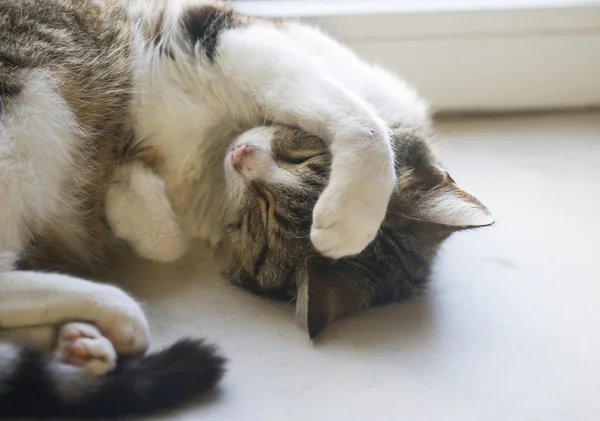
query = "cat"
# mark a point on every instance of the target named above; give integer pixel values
(86, 86)
(278, 173)
(176, 187)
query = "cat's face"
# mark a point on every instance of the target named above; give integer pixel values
(276, 175)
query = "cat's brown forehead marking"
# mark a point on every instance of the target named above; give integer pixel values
(289, 139)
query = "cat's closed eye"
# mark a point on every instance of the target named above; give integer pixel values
(298, 159)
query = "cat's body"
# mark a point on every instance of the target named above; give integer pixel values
(87, 85)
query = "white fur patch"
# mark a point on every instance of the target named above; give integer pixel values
(261, 137)
(394, 100)
(37, 134)
(259, 165)
(138, 211)
(37, 337)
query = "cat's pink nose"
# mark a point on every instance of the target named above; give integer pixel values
(241, 152)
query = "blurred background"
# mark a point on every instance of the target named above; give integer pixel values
(469, 55)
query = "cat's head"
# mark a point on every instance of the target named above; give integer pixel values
(275, 175)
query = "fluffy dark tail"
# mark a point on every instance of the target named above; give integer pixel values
(33, 385)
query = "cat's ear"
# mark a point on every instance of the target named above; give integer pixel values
(445, 203)
(329, 290)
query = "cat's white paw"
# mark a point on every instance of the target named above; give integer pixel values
(340, 231)
(83, 345)
(138, 211)
(350, 211)
(121, 319)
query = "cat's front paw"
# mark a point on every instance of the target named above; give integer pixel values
(351, 209)
(83, 345)
(139, 212)
(346, 228)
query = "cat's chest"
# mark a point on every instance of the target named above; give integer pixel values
(187, 132)
(192, 167)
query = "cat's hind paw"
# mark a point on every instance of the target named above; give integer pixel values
(83, 345)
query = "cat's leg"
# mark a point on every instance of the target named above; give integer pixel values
(269, 69)
(38, 337)
(138, 211)
(29, 299)
(393, 99)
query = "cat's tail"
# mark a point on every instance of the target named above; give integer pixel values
(34, 385)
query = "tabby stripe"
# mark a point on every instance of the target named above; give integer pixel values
(407, 256)
(373, 272)
(8, 89)
(10, 60)
(393, 246)
(262, 259)
(319, 169)
(284, 222)
(204, 24)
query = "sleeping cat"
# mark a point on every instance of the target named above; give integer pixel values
(86, 84)
(175, 186)
(278, 173)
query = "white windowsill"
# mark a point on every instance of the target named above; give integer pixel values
(307, 8)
